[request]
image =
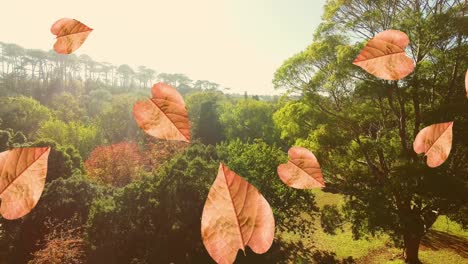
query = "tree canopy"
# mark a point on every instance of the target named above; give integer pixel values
(362, 127)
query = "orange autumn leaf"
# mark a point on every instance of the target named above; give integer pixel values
(384, 56)
(164, 116)
(22, 179)
(235, 215)
(70, 33)
(436, 142)
(302, 170)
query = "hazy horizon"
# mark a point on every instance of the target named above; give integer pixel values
(238, 44)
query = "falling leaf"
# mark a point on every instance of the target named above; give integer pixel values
(70, 33)
(22, 179)
(235, 215)
(436, 141)
(302, 170)
(384, 56)
(164, 116)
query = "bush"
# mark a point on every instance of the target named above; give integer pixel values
(115, 165)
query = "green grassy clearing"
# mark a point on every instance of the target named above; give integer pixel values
(446, 243)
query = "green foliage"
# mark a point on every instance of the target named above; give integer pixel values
(64, 161)
(156, 219)
(10, 139)
(23, 114)
(209, 129)
(441, 246)
(203, 110)
(67, 108)
(83, 137)
(125, 73)
(97, 101)
(361, 128)
(257, 162)
(293, 120)
(294, 73)
(117, 122)
(68, 198)
(178, 80)
(331, 219)
(249, 119)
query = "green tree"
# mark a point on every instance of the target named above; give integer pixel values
(10, 139)
(209, 129)
(145, 76)
(258, 163)
(83, 137)
(67, 108)
(97, 101)
(205, 85)
(293, 120)
(126, 76)
(365, 141)
(175, 79)
(117, 122)
(248, 120)
(194, 102)
(64, 161)
(23, 114)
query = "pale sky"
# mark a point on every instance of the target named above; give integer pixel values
(236, 43)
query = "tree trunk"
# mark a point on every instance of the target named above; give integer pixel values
(412, 248)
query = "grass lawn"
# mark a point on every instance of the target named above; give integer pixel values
(447, 243)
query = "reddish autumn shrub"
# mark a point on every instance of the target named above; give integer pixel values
(63, 244)
(116, 165)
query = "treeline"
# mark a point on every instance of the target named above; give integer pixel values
(19, 65)
(18, 62)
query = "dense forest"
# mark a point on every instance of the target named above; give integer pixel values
(117, 195)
